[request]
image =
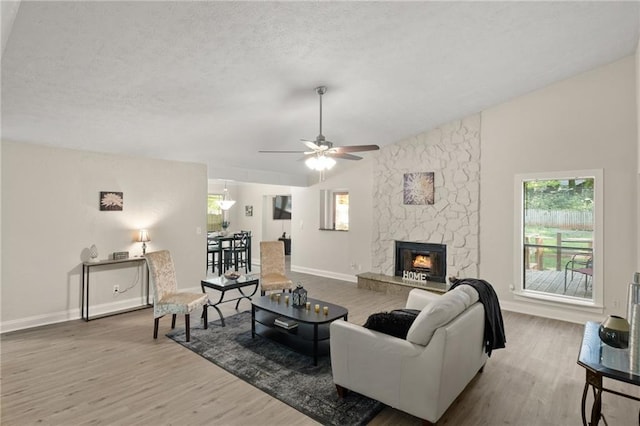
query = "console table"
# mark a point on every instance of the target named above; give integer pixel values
(86, 268)
(287, 245)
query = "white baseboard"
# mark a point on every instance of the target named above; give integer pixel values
(71, 314)
(326, 274)
(547, 312)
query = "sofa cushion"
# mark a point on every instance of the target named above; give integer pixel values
(436, 314)
(395, 323)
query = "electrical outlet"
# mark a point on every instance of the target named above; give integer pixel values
(116, 289)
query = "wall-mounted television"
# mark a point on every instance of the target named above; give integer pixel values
(282, 207)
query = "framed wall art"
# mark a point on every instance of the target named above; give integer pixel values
(111, 201)
(418, 188)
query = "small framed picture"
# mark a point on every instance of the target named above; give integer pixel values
(418, 188)
(248, 210)
(111, 201)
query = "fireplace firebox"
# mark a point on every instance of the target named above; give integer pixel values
(421, 261)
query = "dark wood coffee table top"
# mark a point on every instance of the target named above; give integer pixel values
(301, 314)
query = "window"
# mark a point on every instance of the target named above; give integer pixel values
(341, 211)
(334, 210)
(214, 213)
(558, 231)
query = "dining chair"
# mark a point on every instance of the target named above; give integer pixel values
(272, 267)
(239, 251)
(166, 297)
(214, 253)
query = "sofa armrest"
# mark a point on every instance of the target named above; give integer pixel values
(419, 298)
(369, 362)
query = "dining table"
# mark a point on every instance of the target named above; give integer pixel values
(226, 242)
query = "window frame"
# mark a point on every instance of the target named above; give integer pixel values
(518, 289)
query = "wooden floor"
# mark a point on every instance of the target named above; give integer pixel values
(553, 282)
(112, 372)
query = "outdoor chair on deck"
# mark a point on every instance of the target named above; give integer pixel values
(272, 269)
(166, 298)
(580, 263)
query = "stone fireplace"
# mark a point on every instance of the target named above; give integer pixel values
(452, 152)
(421, 261)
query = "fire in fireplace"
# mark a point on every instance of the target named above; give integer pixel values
(421, 261)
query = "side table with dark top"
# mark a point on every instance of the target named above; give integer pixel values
(223, 284)
(287, 245)
(310, 337)
(603, 361)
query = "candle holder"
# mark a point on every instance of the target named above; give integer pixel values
(325, 309)
(316, 308)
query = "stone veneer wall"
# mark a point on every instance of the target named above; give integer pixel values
(452, 152)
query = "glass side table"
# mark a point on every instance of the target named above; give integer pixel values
(601, 360)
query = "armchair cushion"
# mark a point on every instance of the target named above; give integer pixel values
(436, 314)
(395, 323)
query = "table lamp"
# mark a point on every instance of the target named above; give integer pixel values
(143, 238)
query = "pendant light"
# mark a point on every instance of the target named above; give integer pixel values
(226, 203)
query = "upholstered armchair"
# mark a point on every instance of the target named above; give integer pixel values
(272, 270)
(166, 298)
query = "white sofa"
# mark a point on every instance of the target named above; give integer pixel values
(423, 374)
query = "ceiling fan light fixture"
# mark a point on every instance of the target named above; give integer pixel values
(320, 163)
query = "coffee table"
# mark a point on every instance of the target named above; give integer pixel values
(310, 337)
(223, 285)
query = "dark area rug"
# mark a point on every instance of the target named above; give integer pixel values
(279, 371)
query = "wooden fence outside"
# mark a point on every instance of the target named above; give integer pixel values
(562, 219)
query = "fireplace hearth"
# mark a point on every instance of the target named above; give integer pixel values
(421, 261)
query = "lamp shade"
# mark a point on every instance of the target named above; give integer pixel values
(143, 236)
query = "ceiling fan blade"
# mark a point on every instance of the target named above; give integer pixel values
(355, 148)
(311, 145)
(343, 155)
(282, 152)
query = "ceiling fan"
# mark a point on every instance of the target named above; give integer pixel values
(322, 151)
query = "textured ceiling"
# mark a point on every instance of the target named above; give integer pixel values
(214, 82)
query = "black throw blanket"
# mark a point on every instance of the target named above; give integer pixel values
(494, 337)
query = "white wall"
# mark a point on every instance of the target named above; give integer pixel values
(335, 254)
(50, 216)
(585, 122)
